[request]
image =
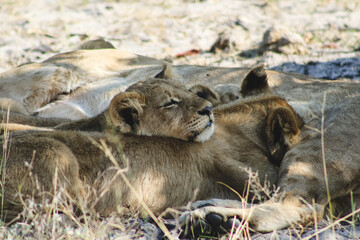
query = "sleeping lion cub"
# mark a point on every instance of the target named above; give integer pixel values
(150, 107)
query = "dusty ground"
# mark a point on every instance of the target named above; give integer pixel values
(316, 37)
(326, 30)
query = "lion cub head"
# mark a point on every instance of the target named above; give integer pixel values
(280, 121)
(162, 107)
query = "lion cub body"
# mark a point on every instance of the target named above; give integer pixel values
(323, 163)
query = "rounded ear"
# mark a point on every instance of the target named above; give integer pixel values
(206, 93)
(125, 111)
(255, 82)
(282, 131)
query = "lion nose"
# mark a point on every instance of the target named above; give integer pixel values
(205, 111)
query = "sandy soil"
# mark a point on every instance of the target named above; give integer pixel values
(319, 37)
(326, 30)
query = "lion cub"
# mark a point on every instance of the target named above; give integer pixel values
(155, 106)
(162, 171)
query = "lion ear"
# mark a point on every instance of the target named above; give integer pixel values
(206, 93)
(282, 131)
(255, 82)
(167, 72)
(125, 111)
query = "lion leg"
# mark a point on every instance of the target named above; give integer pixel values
(226, 203)
(13, 127)
(13, 106)
(261, 218)
(37, 168)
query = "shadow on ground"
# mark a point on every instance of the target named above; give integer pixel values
(340, 68)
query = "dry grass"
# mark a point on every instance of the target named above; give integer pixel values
(62, 217)
(57, 218)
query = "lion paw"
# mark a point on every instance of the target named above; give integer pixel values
(207, 221)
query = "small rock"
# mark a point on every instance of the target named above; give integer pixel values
(282, 40)
(250, 53)
(242, 24)
(152, 231)
(41, 49)
(221, 44)
(82, 36)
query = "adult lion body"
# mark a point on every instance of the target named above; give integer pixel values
(93, 77)
(301, 173)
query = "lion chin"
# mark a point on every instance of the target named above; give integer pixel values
(206, 133)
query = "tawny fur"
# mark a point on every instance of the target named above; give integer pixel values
(301, 178)
(144, 109)
(165, 172)
(301, 171)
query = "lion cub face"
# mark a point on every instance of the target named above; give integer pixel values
(163, 107)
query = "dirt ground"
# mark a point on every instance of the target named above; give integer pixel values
(316, 37)
(319, 31)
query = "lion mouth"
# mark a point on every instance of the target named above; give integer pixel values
(206, 133)
(210, 123)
